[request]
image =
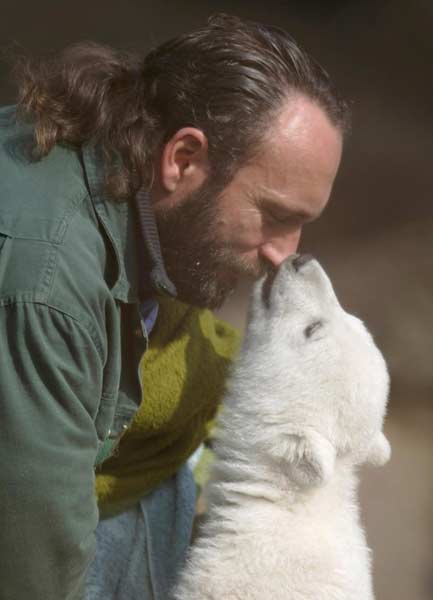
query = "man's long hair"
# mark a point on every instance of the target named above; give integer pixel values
(227, 79)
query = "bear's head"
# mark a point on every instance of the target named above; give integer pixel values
(321, 382)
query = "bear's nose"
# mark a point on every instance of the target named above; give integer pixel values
(301, 259)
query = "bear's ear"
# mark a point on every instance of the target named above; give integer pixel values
(379, 452)
(311, 459)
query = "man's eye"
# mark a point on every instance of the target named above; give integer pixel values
(279, 218)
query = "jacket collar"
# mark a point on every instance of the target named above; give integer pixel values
(131, 229)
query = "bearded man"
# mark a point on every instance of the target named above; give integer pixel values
(124, 182)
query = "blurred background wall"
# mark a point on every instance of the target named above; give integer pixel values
(376, 237)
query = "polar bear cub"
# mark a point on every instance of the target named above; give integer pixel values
(304, 407)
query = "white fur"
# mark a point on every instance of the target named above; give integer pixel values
(300, 414)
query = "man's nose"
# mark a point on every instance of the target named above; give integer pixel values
(278, 249)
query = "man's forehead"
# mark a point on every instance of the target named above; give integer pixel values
(301, 124)
(299, 115)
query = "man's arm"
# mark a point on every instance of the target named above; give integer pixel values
(50, 388)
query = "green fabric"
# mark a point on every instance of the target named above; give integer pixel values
(54, 310)
(68, 321)
(182, 375)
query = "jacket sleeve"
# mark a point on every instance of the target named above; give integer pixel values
(50, 387)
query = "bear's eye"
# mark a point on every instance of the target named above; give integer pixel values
(308, 331)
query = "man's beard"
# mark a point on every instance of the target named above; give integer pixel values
(204, 270)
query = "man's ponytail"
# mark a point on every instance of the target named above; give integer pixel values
(90, 92)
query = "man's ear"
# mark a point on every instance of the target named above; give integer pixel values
(184, 164)
(379, 452)
(311, 459)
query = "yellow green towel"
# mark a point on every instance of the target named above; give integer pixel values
(182, 376)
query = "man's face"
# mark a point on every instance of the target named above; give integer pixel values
(210, 239)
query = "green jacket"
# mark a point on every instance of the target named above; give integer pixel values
(68, 290)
